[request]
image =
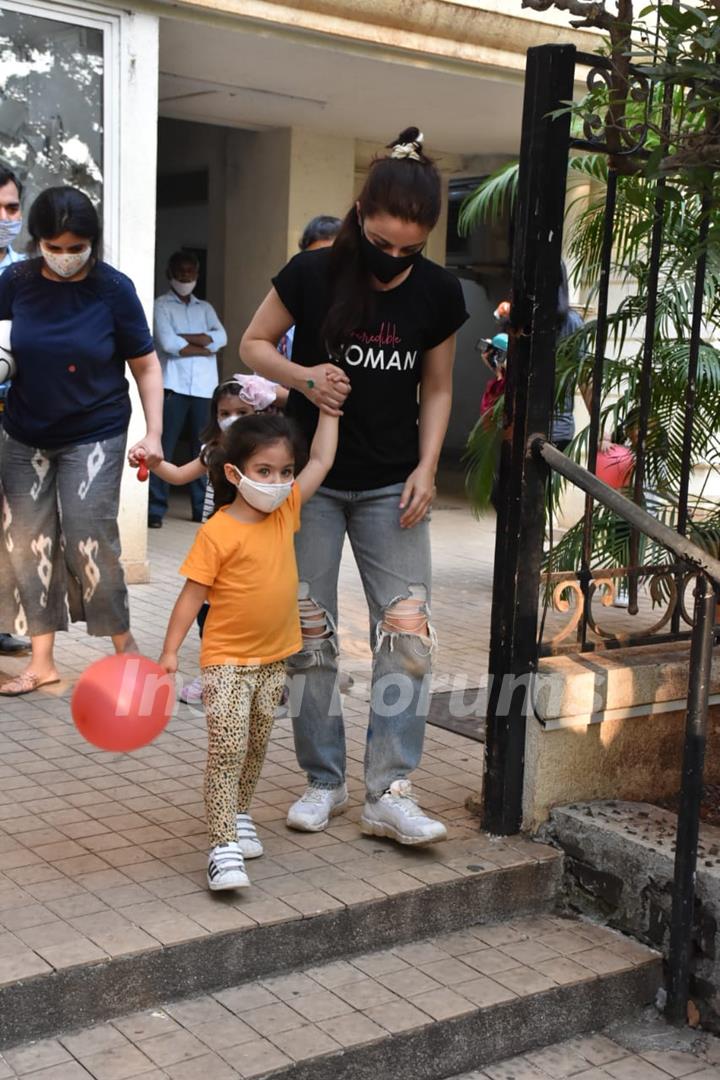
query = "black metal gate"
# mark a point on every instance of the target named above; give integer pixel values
(547, 142)
(527, 455)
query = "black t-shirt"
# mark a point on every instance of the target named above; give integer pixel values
(383, 360)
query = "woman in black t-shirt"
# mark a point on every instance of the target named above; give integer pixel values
(375, 326)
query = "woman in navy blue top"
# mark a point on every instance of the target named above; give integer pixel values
(76, 323)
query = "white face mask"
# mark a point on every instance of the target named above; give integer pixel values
(227, 421)
(264, 497)
(66, 265)
(9, 231)
(182, 288)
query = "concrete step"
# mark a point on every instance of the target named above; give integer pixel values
(427, 1009)
(641, 1047)
(440, 889)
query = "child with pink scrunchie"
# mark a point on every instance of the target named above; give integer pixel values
(242, 395)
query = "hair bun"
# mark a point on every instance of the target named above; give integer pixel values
(408, 144)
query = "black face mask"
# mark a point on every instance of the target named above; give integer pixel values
(383, 266)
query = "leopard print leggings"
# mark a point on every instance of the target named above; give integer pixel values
(240, 704)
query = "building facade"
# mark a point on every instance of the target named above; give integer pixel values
(224, 125)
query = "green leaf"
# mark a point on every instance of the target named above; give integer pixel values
(494, 197)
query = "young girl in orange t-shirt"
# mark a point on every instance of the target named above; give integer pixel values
(243, 562)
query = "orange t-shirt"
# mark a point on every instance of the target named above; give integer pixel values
(253, 580)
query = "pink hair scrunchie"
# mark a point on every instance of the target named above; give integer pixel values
(256, 391)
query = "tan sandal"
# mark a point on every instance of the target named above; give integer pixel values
(24, 684)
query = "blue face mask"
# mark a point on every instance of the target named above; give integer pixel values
(9, 231)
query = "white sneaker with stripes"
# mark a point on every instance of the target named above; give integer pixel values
(226, 868)
(248, 840)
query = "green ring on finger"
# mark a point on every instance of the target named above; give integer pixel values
(310, 384)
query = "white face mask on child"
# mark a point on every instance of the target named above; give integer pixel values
(227, 421)
(264, 497)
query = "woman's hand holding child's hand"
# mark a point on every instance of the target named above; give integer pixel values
(148, 450)
(330, 386)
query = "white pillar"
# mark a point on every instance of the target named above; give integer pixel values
(133, 246)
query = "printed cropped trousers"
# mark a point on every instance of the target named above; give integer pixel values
(240, 704)
(60, 548)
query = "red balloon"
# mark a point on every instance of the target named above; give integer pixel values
(122, 702)
(614, 465)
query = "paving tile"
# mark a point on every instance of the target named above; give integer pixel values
(418, 953)
(322, 1005)
(242, 999)
(442, 1004)
(564, 971)
(364, 992)
(67, 1070)
(258, 1058)
(225, 1033)
(117, 1063)
(485, 992)
(518, 1068)
(207, 1067)
(22, 965)
(36, 1055)
(601, 960)
(144, 1025)
(176, 1046)
(634, 1068)
(449, 972)
(598, 1049)
(338, 973)
(409, 982)
(196, 1011)
(94, 1039)
(271, 1019)
(309, 1041)
(380, 963)
(673, 1062)
(288, 988)
(558, 1061)
(397, 1016)
(529, 953)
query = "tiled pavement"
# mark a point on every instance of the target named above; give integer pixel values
(337, 1008)
(103, 855)
(599, 1057)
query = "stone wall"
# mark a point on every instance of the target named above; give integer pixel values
(619, 861)
(611, 725)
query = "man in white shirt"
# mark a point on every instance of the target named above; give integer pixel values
(188, 336)
(10, 226)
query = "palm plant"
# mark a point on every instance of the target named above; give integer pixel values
(690, 193)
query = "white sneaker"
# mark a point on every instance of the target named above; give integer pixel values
(313, 810)
(397, 815)
(226, 868)
(247, 837)
(192, 693)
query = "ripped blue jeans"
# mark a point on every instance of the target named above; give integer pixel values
(394, 566)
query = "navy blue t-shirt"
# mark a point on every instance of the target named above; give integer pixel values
(70, 340)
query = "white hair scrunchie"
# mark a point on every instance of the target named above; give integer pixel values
(410, 150)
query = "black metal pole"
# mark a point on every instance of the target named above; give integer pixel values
(646, 368)
(688, 826)
(635, 515)
(601, 329)
(537, 250)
